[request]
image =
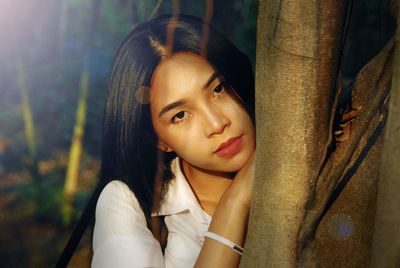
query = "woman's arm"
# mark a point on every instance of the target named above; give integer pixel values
(229, 221)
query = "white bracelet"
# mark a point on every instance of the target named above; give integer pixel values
(224, 241)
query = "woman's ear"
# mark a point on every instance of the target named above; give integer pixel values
(164, 147)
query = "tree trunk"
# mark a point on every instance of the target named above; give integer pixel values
(296, 67)
(314, 199)
(386, 250)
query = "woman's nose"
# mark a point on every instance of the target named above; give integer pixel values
(215, 122)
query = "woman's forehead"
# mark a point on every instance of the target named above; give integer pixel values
(178, 76)
(182, 64)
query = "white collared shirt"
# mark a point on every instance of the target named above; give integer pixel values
(121, 237)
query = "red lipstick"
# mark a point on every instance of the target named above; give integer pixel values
(230, 147)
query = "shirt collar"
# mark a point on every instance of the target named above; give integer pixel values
(180, 196)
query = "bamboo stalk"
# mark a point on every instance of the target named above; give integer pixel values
(76, 149)
(29, 129)
(27, 114)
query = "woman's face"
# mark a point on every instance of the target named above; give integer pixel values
(194, 115)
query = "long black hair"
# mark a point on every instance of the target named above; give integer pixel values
(129, 141)
(129, 151)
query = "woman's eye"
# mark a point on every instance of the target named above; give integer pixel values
(179, 117)
(219, 89)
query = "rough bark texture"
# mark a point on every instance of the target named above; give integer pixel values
(343, 227)
(386, 248)
(297, 56)
(314, 200)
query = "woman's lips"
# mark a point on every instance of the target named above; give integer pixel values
(230, 147)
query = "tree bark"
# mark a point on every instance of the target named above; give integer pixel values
(297, 63)
(314, 199)
(386, 248)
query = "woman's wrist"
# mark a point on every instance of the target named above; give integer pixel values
(237, 195)
(230, 220)
(236, 201)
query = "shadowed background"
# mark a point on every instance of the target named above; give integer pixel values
(55, 57)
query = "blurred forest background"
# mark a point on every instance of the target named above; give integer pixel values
(55, 58)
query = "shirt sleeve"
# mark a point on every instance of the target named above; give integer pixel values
(121, 237)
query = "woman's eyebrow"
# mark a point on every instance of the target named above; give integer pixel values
(171, 106)
(178, 103)
(214, 76)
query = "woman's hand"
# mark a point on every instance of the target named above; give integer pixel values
(230, 220)
(242, 185)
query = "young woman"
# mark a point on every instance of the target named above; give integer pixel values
(178, 149)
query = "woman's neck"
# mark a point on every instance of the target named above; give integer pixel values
(207, 186)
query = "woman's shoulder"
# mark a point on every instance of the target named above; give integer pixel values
(116, 187)
(117, 199)
(120, 236)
